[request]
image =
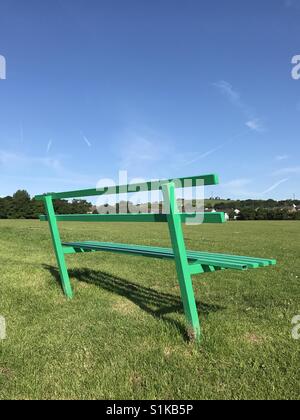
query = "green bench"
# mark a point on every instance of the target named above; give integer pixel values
(188, 263)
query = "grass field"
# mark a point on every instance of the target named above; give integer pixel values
(123, 335)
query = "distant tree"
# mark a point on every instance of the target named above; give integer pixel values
(73, 207)
(261, 214)
(221, 206)
(21, 196)
(296, 216)
(247, 213)
(80, 206)
(3, 208)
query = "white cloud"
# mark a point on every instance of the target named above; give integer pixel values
(237, 187)
(294, 170)
(255, 125)
(139, 151)
(238, 183)
(15, 169)
(143, 152)
(280, 158)
(226, 89)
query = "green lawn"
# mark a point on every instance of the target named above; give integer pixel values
(123, 335)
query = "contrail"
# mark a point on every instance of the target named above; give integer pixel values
(215, 149)
(21, 133)
(49, 146)
(86, 140)
(273, 187)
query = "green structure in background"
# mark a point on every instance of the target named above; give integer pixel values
(188, 263)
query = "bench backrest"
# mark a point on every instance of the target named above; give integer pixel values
(172, 217)
(186, 182)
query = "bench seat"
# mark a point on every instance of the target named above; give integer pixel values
(206, 259)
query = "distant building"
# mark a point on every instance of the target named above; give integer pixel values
(92, 210)
(236, 212)
(293, 209)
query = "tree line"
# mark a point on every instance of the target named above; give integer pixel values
(260, 209)
(22, 206)
(254, 204)
(249, 213)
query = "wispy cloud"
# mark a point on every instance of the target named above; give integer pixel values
(227, 89)
(49, 145)
(241, 188)
(139, 150)
(41, 171)
(145, 152)
(205, 154)
(10, 160)
(293, 170)
(238, 183)
(274, 186)
(237, 187)
(280, 158)
(255, 125)
(292, 4)
(213, 150)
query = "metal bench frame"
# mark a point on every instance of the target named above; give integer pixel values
(188, 263)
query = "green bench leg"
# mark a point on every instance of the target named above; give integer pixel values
(65, 280)
(182, 264)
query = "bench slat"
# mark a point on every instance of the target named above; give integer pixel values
(203, 258)
(142, 217)
(195, 255)
(211, 179)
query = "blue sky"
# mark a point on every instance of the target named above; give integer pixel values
(159, 88)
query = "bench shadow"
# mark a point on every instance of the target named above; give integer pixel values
(157, 304)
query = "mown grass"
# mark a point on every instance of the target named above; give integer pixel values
(123, 335)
